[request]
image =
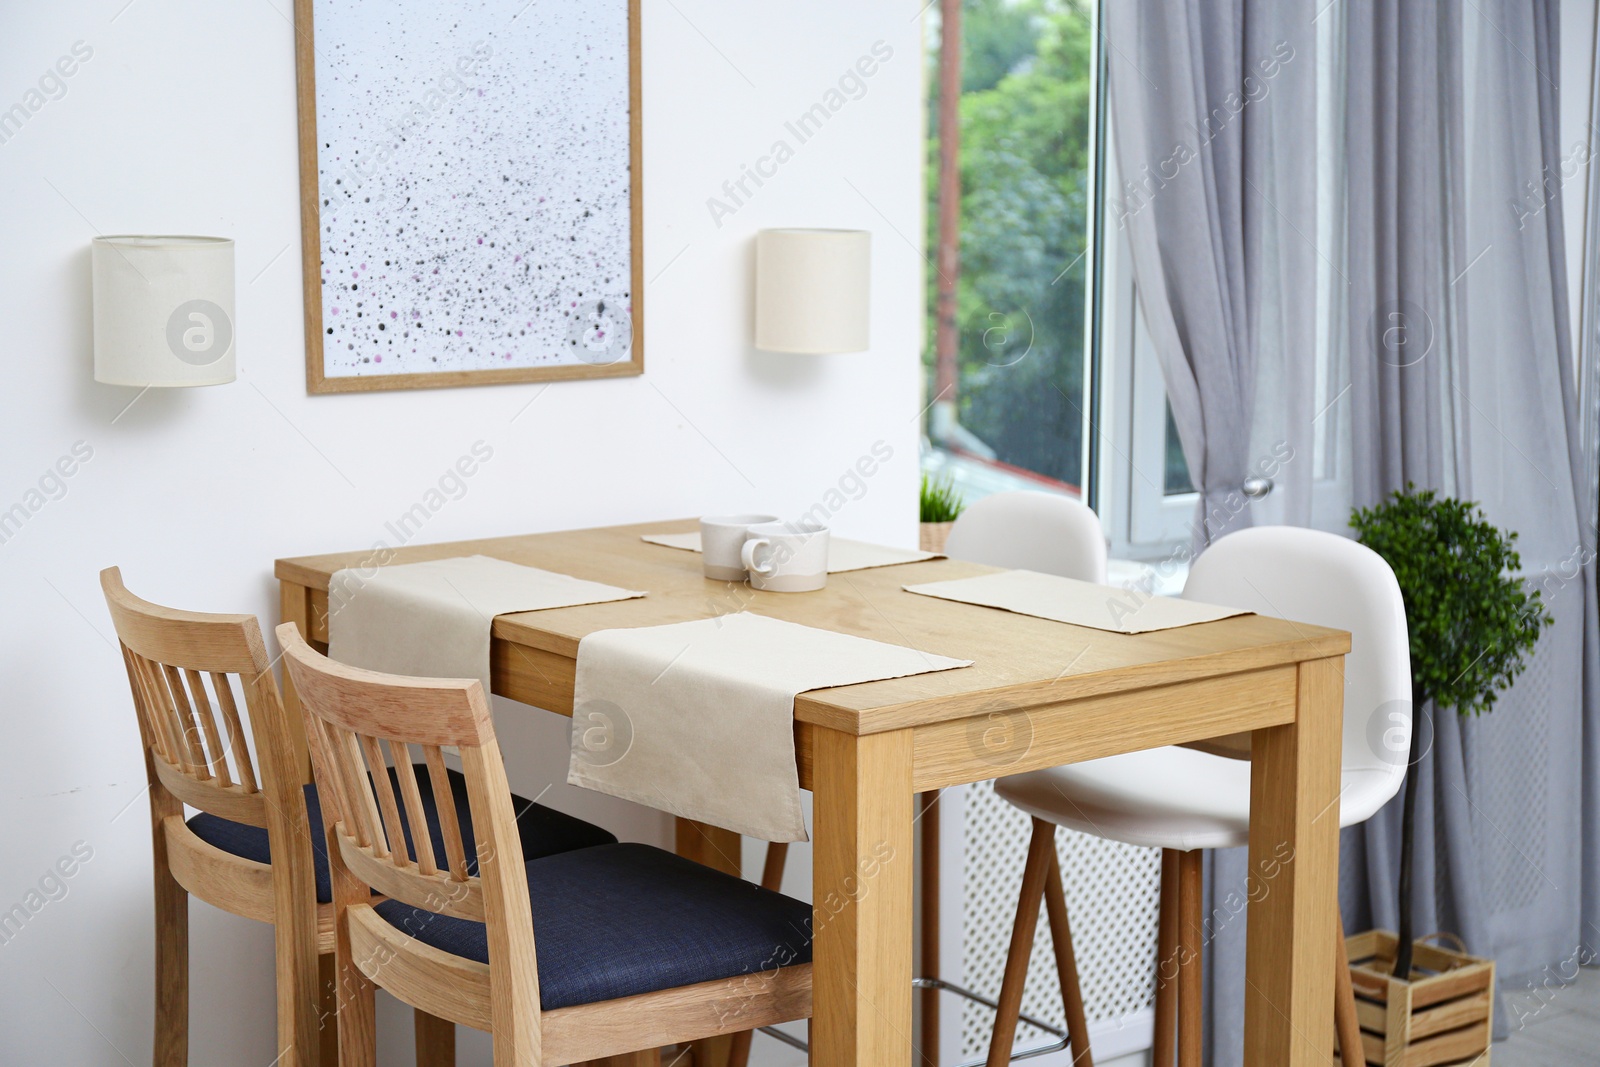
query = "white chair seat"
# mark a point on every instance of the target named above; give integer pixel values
(1173, 798)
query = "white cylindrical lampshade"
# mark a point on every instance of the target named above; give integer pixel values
(163, 310)
(813, 290)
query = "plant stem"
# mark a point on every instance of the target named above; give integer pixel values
(1408, 834)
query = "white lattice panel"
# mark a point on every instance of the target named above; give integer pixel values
(1112, 892)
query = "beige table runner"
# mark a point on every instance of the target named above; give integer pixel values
(432, 619)
(1049, 596)
(697, 718)
(843, 553)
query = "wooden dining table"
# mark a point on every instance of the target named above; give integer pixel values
(1039, 694)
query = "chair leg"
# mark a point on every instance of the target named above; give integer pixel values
(1352, 1052)
(771, 878)
(1166, 1029)
(436, 1040)
(929, 1040)
(358, 1038)
(297, 977)
(1041, 847)
(328, 1014)
(1189, 953)
(172, 966)
(1055, 906)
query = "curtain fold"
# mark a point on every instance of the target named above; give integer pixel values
(1214, 120)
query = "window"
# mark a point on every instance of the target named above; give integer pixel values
(1044, 375)
(1007, 376)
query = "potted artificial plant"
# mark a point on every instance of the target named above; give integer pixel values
(940, 506)
(1472, 624)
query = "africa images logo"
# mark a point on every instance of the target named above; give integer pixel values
(199, 332)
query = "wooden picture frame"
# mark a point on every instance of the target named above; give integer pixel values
(562, 363)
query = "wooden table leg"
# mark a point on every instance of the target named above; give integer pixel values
(862, 864)
(720, 849)
(1294, 856)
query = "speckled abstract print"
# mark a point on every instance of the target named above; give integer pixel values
(474, 183)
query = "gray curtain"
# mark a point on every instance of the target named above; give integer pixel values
(1214, 120)
(1451, 325)
(1467, 239)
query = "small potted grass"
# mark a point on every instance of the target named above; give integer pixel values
(941, 503)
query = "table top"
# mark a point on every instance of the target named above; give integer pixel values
(1019, 660)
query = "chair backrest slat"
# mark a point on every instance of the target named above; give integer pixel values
(159, 704)
(216, 751)
(449, 826)
(345, 751)
(242, 760)
(378, 770)
(187, 727)
(421, 839)
(157, 733)
(331, 784)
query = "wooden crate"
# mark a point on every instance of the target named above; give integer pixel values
(1442, 1017)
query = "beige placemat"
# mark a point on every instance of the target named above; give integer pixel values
(843, 553)
(432, 619)
(1049, 596)
(697, 718)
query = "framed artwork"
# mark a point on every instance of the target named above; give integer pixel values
(470, 191)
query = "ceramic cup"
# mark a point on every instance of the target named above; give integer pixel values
(786, 557)
(721, 537)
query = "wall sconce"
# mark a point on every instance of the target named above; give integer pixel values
(813, 290)
(163, 310)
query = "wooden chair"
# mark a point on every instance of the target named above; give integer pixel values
(251, 851)
(636, 948)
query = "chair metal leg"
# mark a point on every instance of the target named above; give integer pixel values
(1055, 906)
(436, 1040)
(1166, 1028)
(1352, 1052)
(1189, 953)
(1041, 847)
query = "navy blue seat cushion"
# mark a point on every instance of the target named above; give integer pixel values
(620, 920)
(544, 831)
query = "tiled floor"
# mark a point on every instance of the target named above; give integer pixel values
(1557, 1026)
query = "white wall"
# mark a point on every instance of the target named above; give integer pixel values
(183, 121)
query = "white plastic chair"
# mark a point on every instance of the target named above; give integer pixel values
(1184, 801)
(1051, 534)
(1031, 531)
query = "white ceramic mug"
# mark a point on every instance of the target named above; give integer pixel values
(721, 538)
(786, 557)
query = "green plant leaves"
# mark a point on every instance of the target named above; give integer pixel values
(1472, 623)
(940, 500)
